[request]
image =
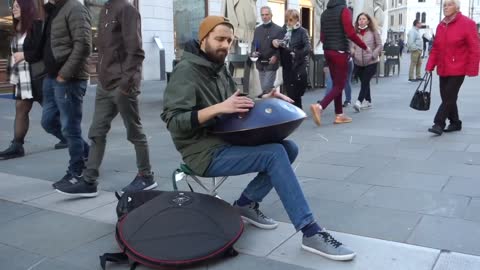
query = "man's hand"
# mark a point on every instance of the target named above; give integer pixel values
(275, 93)
(273, 60)
(60, 79)
(18, 57)
(236, 103)
(276, 43)
(369, 50)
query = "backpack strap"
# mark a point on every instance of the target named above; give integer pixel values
(120, 257)
(231, 252)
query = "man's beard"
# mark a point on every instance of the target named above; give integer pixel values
(217, 56)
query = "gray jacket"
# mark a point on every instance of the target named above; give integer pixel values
(414, 42)
(71, 39)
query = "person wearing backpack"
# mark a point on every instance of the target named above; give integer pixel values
(119, 72)
(190, 109)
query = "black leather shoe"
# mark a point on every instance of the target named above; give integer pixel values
(453, 127)
(436, 129)
(15, 150)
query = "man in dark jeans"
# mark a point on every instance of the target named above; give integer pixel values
(67, 43)
(119, 72)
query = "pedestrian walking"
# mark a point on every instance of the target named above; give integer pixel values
(67, 42)
(348, 82)
(455, 54)
(26, 71)
(336, 29)
(120, 72)
(366, 62)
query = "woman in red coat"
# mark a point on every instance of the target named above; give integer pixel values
(456, 54)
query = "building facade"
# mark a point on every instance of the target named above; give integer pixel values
(402, 13)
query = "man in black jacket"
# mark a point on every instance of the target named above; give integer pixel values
(67, 43)
(268, 56)
(119, 71)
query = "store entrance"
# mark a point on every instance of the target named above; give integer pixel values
(6, 28)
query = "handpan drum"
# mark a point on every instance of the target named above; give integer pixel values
(271, 120)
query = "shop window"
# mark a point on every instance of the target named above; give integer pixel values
(187, 16)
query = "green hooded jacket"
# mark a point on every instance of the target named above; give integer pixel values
(195, 83)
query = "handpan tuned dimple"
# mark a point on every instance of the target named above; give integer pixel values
(270, 120)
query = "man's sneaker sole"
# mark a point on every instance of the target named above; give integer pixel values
(82, 195)
(259, 225)
(152, 186)
(347, 257)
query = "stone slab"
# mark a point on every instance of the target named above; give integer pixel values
(366, 221)
(20, 189)
(410, 180)
(463, 186)
(431, 203)
(371, 254)
(333, 190)
(62, 232)
(258, 242)
(10, 211)
(457, 261)
(447, 233)
(323, 171)
(75, 205)
(473, 210)
(12, 258)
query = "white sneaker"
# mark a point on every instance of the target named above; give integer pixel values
(357, 106)
(366, 105)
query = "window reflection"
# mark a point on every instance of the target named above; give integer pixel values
(187, 16)
(6, 28)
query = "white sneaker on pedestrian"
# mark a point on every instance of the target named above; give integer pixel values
(357, 106)
(366, 105)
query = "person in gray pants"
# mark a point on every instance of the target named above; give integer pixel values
(268, 56)
(119, 72)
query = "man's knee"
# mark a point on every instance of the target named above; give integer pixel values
(137, 138)
(291, 148)
(98, 139)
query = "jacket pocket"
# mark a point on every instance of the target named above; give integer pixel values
(119, 61)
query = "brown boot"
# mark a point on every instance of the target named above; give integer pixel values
(342, 119)
(316, 113)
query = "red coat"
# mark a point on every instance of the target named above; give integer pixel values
(456, 48)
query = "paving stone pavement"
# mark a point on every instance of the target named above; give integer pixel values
(403, 198)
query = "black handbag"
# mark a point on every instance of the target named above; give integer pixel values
(421, 98)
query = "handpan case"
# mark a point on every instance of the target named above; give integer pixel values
(178, 228)
(271, 120)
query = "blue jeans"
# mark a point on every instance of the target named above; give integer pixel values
(348, 85)
(273, 164)
(66, 99)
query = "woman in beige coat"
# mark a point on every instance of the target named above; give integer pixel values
(366, 61)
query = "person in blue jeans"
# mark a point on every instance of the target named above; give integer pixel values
(190, 110)
(348, 84)
(67, 43)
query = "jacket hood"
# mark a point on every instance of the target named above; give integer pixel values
(193, 54)
(335, 3)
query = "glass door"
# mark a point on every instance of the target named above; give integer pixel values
(6, 30)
